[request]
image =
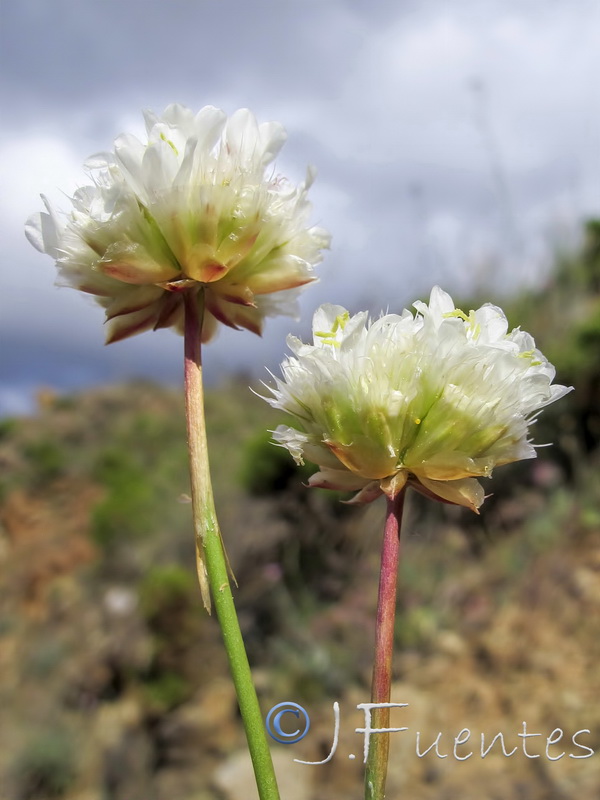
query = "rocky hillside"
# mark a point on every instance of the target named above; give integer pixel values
(113, 683)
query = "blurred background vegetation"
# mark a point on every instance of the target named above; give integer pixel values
(113, 682)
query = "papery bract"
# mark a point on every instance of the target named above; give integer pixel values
(196, 206)
(434, 400)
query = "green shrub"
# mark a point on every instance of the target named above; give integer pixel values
(126, 511)
(166, 691)
(65, 402)
(8, 426)
(166, 589)
(47, 460)
(45, 768)
(169, 602)
(416, 629)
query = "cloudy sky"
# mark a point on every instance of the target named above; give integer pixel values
(456, 143)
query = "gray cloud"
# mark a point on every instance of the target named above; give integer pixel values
(421, 179)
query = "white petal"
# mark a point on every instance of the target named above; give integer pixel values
(99, 161)
(208, 125)
(292, 439)
(130, 153)
(34, 231)
(440, 302)
(43, 231)
(241, 135)
(492, 322)
(272, 139)
(160, 165)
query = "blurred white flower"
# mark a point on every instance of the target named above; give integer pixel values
(434, 400)
(196, 206)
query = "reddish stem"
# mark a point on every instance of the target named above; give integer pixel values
(377, 761)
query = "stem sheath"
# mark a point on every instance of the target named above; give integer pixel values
(377, 759)
(211, 558)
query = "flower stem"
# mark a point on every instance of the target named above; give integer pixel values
(211, 558)
(377, 759)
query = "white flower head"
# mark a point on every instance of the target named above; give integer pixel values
(197, 205)
(434, 400)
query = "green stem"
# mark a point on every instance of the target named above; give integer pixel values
(377, 759)
(212, 561)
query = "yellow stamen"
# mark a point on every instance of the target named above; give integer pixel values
(170, 143)
(529, 354)
(339, 324)
(471, 320)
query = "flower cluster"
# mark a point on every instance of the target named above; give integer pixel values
(196, 206)
(433, 400)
